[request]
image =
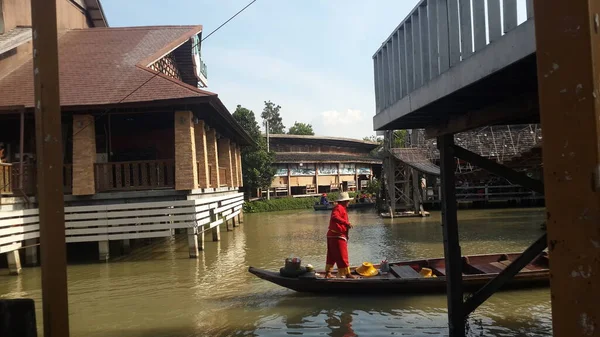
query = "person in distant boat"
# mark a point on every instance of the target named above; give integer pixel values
(337, 239)
(324, 200)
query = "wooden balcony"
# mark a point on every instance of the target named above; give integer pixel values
(10, 179)
(135, 175)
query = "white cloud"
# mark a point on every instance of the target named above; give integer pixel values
(334, 117)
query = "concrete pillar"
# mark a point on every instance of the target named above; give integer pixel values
(84, 154)
(186, 167)
(126, 246)
(213, 158)
(202, 155)
(14, 262)
(201, 238)
(192, 242)
(225, 160)
(103, 250)
(216, 233)
(31, 252)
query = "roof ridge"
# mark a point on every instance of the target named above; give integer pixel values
(177, 82)
(95, 29)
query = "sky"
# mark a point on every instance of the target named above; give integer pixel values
(312, 57)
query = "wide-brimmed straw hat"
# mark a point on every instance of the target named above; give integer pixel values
(344, 196)
(367, 269)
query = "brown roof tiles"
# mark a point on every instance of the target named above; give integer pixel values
(108, 65)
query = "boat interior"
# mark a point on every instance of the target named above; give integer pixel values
(472, 265)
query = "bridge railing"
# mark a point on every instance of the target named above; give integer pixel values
(435, 36)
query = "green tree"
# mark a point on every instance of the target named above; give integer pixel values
(257, 162)
(301, 129)
(271, 113)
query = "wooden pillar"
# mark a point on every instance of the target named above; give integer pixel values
(452, 253)
(49, 155)
(234, 222)
(213, 158)
(84, 154)
(356, 177)
(202, 154)
(14, 262)
(568, 65)
(186, 167)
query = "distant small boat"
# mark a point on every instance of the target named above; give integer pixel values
(319, 207)
(405, 277)
(407, 214)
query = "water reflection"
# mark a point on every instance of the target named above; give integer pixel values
(157, 291)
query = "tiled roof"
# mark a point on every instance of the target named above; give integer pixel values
(101, 66)
(316, 157)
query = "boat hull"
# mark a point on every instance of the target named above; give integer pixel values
(391, 284)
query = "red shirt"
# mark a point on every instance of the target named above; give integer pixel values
(338, 223)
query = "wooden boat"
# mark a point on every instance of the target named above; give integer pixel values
(319, 207)
(407, 214)
(404, 277)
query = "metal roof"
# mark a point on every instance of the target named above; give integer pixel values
(417, 159)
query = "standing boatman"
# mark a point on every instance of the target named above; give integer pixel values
(337, 239)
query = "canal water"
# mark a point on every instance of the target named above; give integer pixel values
(157, 291)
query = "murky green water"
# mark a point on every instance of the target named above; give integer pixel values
(157, 291)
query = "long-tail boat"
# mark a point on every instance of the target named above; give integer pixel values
(407, 276)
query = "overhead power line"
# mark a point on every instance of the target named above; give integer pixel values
(156, 74)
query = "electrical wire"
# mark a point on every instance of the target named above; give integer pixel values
(156, 74)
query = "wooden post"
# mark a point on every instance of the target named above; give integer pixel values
(50, 168)
(568, 64)
(452, 252)
(216, 233)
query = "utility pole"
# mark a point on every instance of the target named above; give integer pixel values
(50, 167)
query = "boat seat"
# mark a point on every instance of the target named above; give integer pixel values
(507, 262)
(405, 272)
(442, 270)
(490, 268)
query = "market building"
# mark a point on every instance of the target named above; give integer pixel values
(308, 165)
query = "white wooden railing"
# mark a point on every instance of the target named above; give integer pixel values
(437, 35)
(123, 221)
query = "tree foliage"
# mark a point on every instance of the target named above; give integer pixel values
(257, 168)
(271, 113)
(301, 129)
